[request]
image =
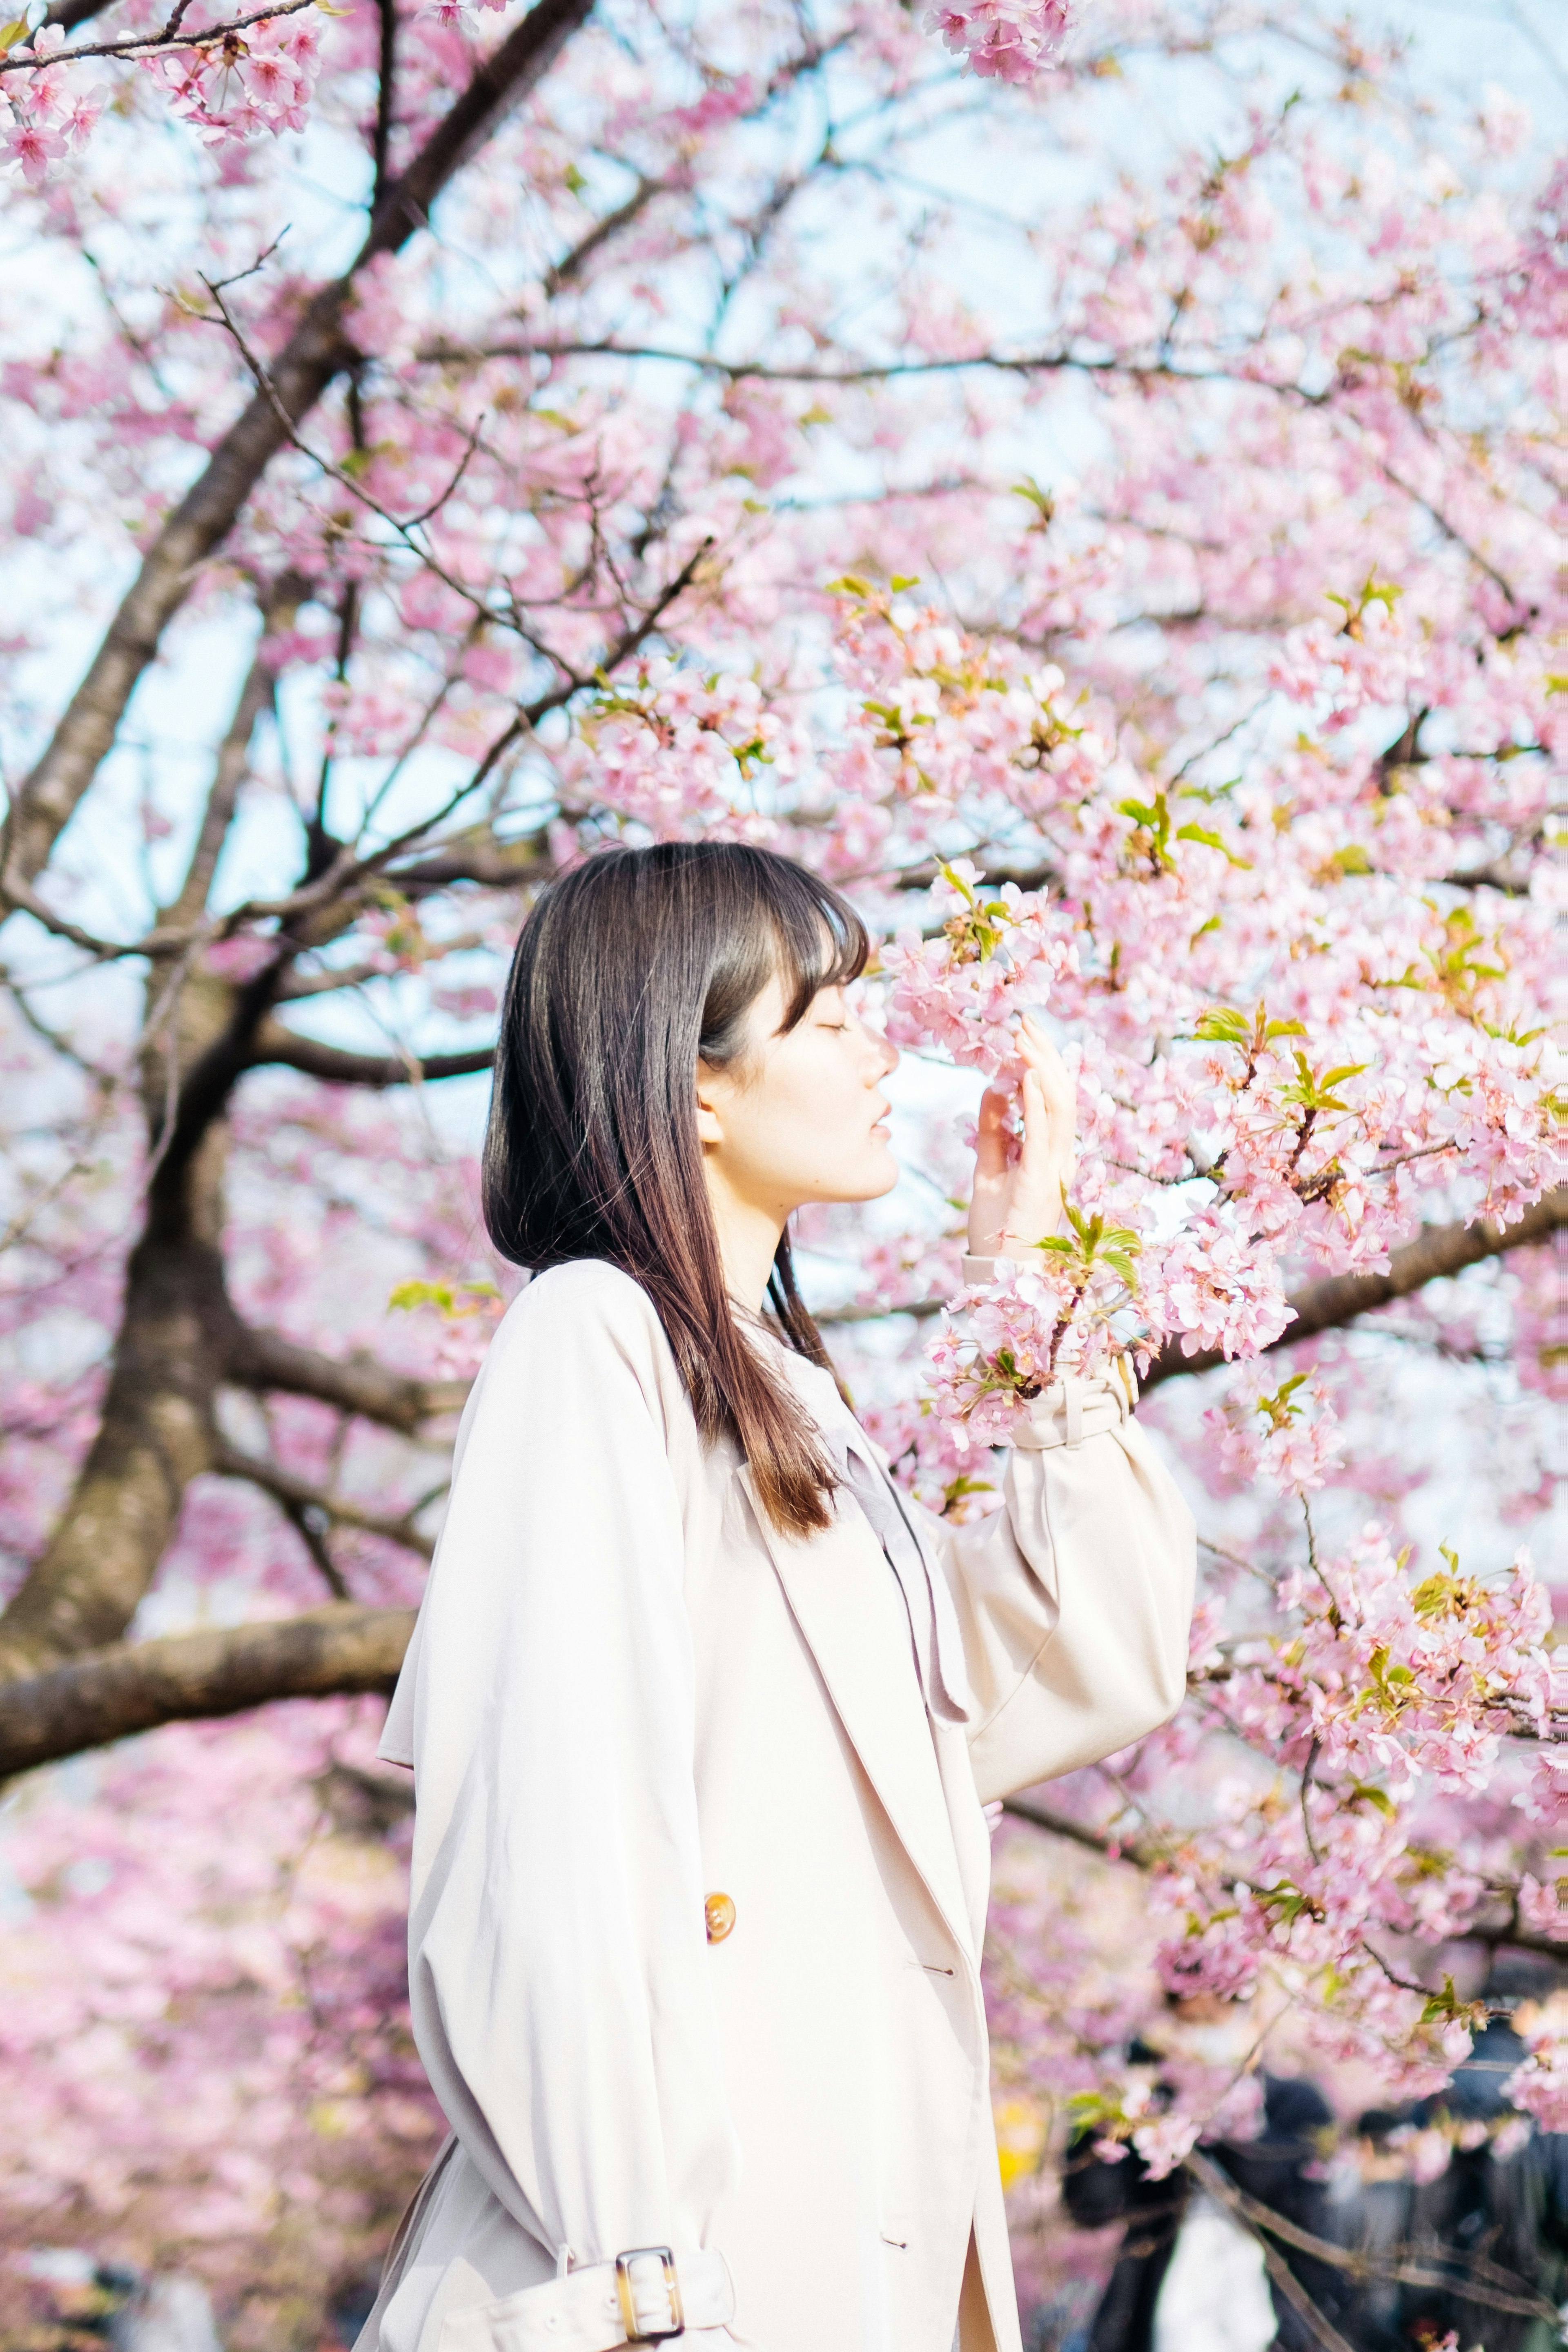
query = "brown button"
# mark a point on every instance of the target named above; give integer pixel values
(718, 1912)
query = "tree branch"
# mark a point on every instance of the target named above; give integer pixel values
(68, 14)
(265, 1361)
(387, 74)
(1044, 1817)
(1261, 2218)
(317, 351)
(559, 274)
(283, 1047)
(108, 1694)
(1436, 1252)
(232, 765)
(159, 42)
(477, 858)
(300, 1495)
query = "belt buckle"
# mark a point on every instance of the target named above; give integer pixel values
(636, 2332)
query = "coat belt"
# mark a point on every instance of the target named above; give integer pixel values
(663, 2296)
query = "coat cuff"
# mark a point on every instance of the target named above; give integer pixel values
(1071, 1410)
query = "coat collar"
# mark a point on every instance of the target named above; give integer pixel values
(845, 1601)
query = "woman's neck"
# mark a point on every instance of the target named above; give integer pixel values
(749, 1238)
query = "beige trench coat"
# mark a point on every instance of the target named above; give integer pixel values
(627, 1692)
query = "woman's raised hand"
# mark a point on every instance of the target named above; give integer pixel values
(1015, 1206)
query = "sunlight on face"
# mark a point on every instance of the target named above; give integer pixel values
(800, 1115)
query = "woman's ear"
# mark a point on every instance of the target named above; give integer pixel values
(709, 1092)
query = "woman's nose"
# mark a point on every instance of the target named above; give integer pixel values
(883, 1057)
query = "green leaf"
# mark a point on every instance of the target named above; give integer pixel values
(447, 1296)
(1222, 1027)
(1041, 500)
(1211, 840)
(902, 580)
(1086, 2108)
(1446, 2005)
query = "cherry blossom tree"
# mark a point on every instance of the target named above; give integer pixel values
(1088, 489)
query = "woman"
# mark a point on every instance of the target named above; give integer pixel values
(701, 1712)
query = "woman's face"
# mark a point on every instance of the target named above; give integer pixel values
(799, 1117)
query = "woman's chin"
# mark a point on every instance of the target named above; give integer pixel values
(880, 1177)
(867, 1178)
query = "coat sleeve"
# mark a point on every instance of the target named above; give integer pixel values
(558, 1964)
(1076, 1599)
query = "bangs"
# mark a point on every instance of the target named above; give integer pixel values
(821, 940)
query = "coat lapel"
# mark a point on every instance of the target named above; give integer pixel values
(846, 1600)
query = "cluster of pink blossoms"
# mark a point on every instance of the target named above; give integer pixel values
(1299, 1126)
(46, 118)
(942, 719)
(246, 84)
(1388, 1690)
(682, 751)
(235, 86)
(1289, 1434)
(1035, 1323)
(999, 950)
(1012, 41)
(1540, 2087)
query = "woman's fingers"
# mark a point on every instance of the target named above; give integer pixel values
(1041, 1057)
(1045, 1162)
(991, 1135)
(1018, 1198)
(988, 1201)
(1042, 1168)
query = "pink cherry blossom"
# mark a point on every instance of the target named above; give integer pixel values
(1012, 39)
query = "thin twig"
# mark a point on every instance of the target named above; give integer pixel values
(162, 43)
(1262, 2219)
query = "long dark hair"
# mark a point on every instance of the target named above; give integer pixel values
(631, 969)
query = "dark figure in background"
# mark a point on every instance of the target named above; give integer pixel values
(1375, 2220)
(1487, 2219)
(1277, 2169)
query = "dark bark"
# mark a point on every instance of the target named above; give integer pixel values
(154, 1437)
(68, 14)
(265, 1360)
(110, 1693)
(338, 1066)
